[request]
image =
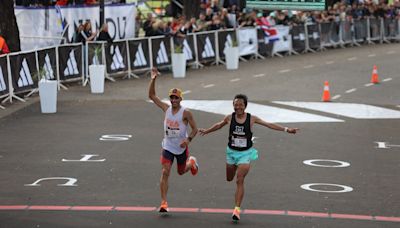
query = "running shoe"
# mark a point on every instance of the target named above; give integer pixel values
(236, 215)
(195, 165)
(164, 207)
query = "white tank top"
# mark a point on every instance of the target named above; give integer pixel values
(175, 131)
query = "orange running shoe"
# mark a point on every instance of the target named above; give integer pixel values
(164, 207)
(195, 165)
(236, 215)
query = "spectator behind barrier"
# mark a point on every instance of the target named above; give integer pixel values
(3, 46)
(104, 35)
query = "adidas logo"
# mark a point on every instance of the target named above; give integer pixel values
(228, 42)
(208, 49)
(140, 59)
(47, 67)
(162, 56)
(118, 61)
(25, 77)
(187, 50)
(72, 66)
(2, 81)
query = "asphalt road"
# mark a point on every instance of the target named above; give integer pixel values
(115, 183)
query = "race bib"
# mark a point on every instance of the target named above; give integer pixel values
(172, 132)
(240, 142)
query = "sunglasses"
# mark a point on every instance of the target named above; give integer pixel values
(173, 97)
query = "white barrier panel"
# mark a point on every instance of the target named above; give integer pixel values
(283, 44)
(247, 41)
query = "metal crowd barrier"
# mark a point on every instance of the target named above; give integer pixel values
(69, 62)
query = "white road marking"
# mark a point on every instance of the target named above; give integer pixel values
(308, 66)
(258, 75)
(208, 86)
(390, 52)
(371, 55)
(269, 113)
(358, 111)
(336, 97)
(368, 84)
(285, 70)
(351, 90)
(186, 92)
(235, 80)
(387, 79)
(329, 62)
(352, 58)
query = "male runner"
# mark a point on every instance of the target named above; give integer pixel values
(240, 152)
(176, 138)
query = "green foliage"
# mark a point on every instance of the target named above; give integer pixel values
(178, 49)
(40, 74)
(235, 43)
(97, 52)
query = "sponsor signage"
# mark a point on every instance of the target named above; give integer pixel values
(287, 4)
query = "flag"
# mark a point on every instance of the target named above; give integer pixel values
(270, 32)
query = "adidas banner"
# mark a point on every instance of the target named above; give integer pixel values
(298, 38)
(226, 38)
(3, 75)
(264, 49)
(314, 37)
(47, 62)
(247, 41)
(70, 61)
(188, 48)
(206, 46)
(161, 50)
(283, 42)
(23, 72)
(139, 54)
(116, 57)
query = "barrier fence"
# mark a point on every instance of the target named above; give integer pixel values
(69, 62)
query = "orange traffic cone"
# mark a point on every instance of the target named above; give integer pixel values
(375, 78)
(326, 96)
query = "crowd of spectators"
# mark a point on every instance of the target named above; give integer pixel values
(213, 17)
(215, 14)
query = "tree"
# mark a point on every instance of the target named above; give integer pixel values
(8, 25)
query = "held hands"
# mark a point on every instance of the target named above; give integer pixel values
(202, 132)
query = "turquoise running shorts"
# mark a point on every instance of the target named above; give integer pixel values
(234, 157)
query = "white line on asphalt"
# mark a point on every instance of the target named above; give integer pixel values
(371, 55)
(308, 66)
(235, 80)
(336, 97)
(329, 62)
(208, 86)
(186, 92)
(368, 84)
(387, 79)
(390, 52)
(285, 70)
(351, 90)
(258, 75)
(352, 58)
